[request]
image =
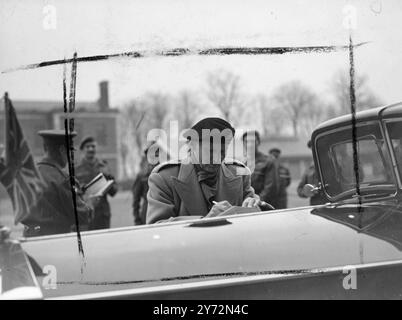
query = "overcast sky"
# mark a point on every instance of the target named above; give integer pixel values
(101, 27)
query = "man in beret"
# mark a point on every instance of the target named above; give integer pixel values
(54, 212)
(265, 177)
(89, 167)
(203, 184)
(140, 188)
(284, 179)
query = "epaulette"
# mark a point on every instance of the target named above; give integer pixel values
(166, 164)
(241, 169)
(235, 162)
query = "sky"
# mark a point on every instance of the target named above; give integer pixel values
(30, 34)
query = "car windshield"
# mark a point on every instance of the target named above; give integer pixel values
(395, 134)
(336, 158)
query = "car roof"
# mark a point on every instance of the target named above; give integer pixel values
(389, 111)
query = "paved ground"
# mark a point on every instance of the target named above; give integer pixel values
(122, 211)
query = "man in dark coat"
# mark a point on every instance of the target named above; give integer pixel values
(265, 177)
(202, 185)
(284, 179)
(89, 167)
(140, 189)
(54, 212)
(310, 177)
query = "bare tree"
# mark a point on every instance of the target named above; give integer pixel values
(124, 128)
(273, 118)
(139, 117)
(340, 87)
(186, 108)
(297, 101)
(223, 90)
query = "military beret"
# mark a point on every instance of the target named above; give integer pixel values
(272, 150)
(210, 124)
(85, 141)
(251, 133)
(55, 136)
(149, 145)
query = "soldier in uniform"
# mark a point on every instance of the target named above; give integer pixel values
(310, 177)
(54, 212)
(264, 178)
(203, 184)
(89, 167)
(284, 179)
(140, 189)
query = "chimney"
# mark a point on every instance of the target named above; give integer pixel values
(104, 96)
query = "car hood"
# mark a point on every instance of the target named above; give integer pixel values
(278, 243)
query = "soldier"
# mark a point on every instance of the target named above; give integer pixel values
(88, 169)
(310, 177)
(284, 179)
(140, 189)
(202, 185)
(265, 178)
(54, 212)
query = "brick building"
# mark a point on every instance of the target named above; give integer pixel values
(91, 118)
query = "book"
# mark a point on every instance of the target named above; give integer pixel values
(98, 186)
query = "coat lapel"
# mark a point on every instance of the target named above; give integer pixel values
(189, 190)
(230, 187)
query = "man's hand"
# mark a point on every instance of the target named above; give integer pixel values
(251, 202)
(94, 201)
(218, 209)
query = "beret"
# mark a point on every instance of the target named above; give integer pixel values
(149, 145)
(275, 150)
(210, 124)
(85, 141)
(251, 133)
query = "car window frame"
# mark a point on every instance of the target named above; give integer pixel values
(344, 126)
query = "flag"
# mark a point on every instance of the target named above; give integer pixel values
(18, 172)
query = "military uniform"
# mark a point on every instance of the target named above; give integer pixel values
(284, 182)
(175, 192)
(140, 203)
(54, 212)
(265, 178)
(310, 177)
(85, 172)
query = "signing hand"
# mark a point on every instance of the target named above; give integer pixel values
(218, 209)
(251, 202)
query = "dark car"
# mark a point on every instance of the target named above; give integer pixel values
(349, 248)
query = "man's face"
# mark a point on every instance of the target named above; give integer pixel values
(209, 154)
(275, 154)
(89, 150)
(62, 156)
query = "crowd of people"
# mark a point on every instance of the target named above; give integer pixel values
(195, 187)
(179, 190)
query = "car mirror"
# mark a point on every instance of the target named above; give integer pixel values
(309, 190)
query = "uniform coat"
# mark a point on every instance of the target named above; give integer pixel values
(284, 182)
(265, 178)
(175, 193)
(140, 202)
(85, 172)
(54, 212)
